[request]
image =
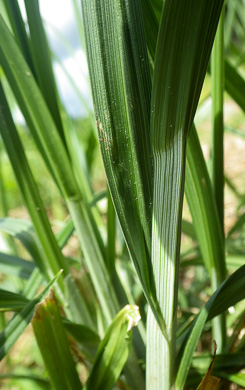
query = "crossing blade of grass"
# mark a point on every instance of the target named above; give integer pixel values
(181, 61)
(23, 231)
(53, 344)
(33, 284)
(223, 362)
(237, 225)
(10, 301)
(65, 233)
(48, 141)
(80, 166)
(120, 81)
(18, 323)
(219, 301)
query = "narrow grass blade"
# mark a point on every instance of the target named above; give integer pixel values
(180, 65)
(111, 235)
(206, 222)
(223, 362)
(42, 62)
(53, 259)
(13, 265)
(234, 84)
(18, 27)
(113, 350)
(237, 226)
(151, 27)
(19, 322)
(217, 304)
(53, 344)
(10, 301)
(217, 92)
(201, 202)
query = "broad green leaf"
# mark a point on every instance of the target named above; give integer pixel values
(120, 81)
(181, 60)
(13, 265)
(53, 344)
(220, 301)
(18, 323)
(10, 301)
(113, 350)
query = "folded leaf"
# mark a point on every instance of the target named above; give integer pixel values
(53, 344)
(113, 350)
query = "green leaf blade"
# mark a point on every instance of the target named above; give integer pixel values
(120, 80)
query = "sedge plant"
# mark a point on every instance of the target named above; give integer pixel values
(147, 63)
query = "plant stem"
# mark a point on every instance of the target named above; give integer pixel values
(217, 71)
(167, 212)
